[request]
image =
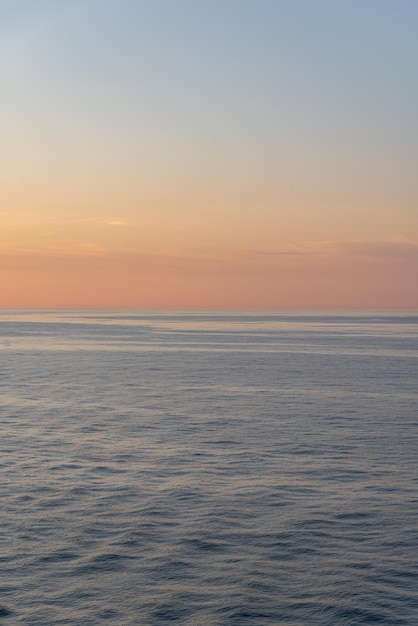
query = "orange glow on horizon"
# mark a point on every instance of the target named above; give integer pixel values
(356, 275)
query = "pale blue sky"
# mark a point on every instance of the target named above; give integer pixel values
(270, 95)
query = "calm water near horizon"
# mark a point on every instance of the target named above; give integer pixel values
(209, 469)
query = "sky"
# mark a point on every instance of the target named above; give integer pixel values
(209, 154)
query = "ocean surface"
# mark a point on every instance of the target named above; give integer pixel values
(208, 469)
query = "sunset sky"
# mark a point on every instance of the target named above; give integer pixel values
(209, 154)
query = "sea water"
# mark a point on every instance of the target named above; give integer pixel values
(225, 469)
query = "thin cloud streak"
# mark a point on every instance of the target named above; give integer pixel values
(389, 249)
(398, 248)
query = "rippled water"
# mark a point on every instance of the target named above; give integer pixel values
(208, 469)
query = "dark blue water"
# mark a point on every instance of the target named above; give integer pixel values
(208, 469)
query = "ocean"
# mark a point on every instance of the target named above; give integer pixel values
(209, 469)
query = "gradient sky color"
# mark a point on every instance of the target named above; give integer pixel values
(209, 153)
